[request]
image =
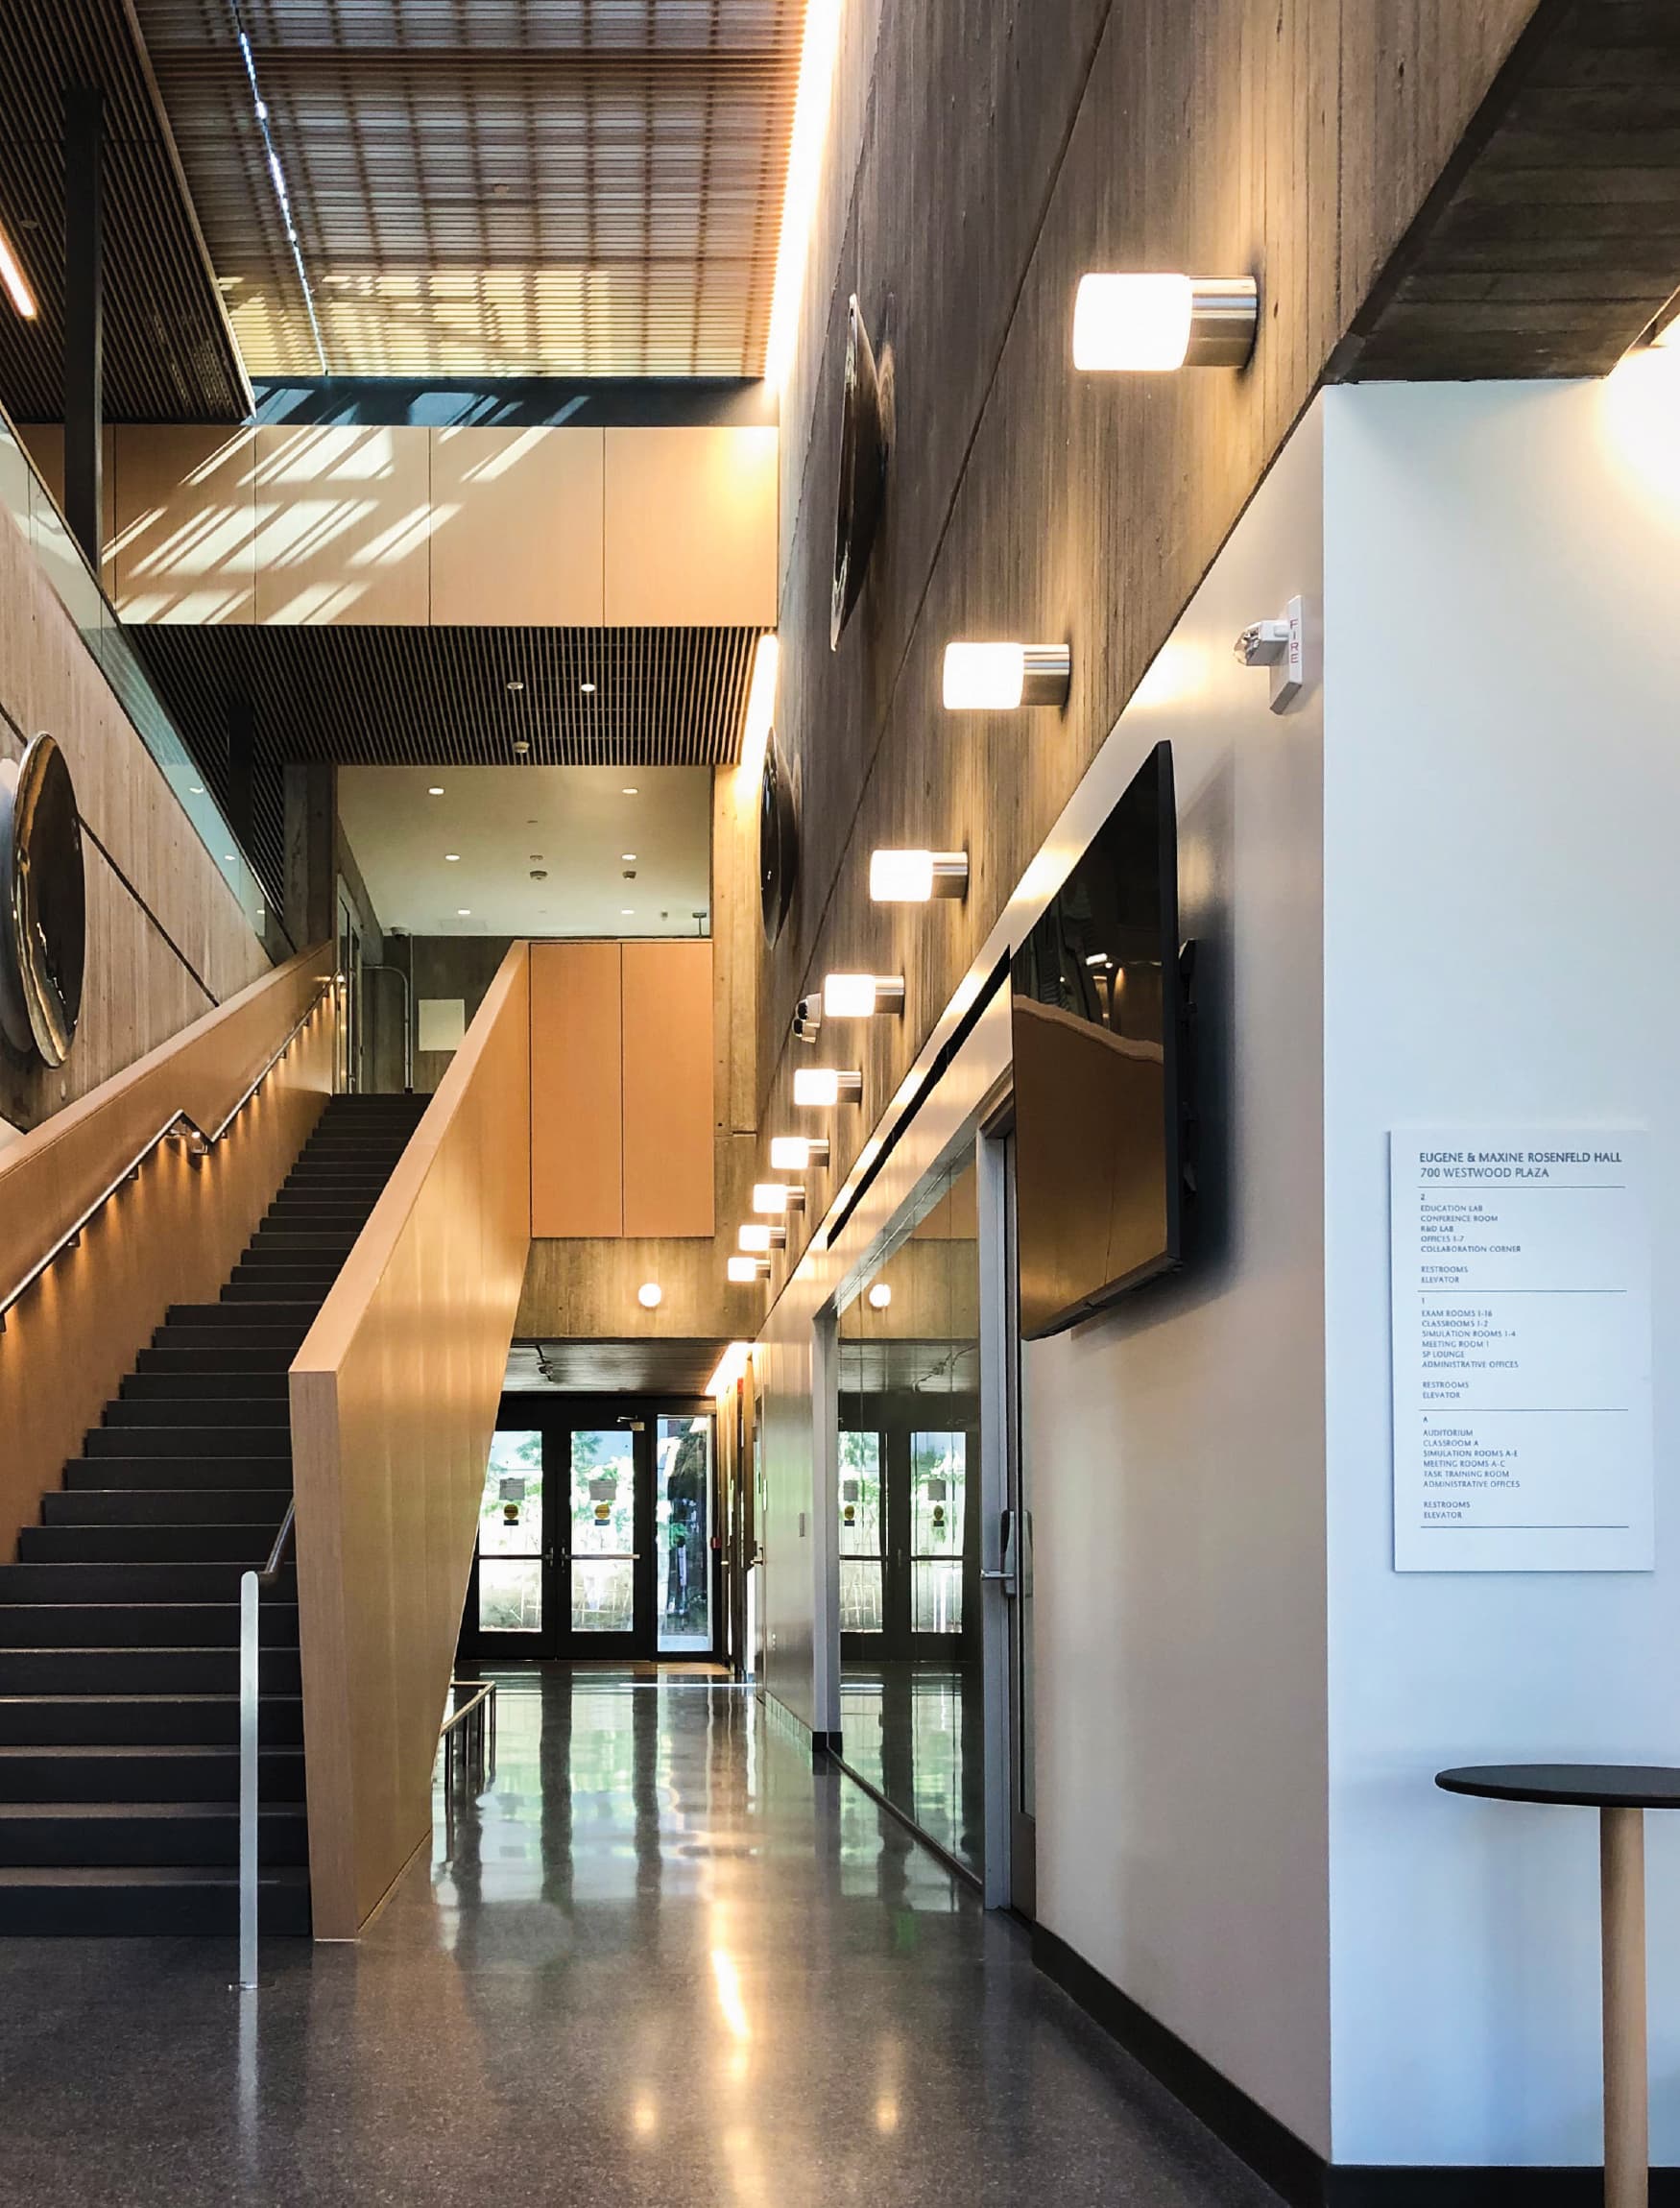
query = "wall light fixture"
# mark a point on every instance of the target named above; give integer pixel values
(914, 876)
(998, 678)
(817, 1086)
(794, 1153)
(16, 283)
(777, 1197)
(748, 1268)
(861, 995)
(1164, 322)
(759, 1240)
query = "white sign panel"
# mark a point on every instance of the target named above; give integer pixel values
(1522, 1350)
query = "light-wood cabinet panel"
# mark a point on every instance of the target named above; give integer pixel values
(667, 1088)
(577, 1136)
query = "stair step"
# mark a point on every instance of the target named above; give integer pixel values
(135, 1583)
(145, 1774)
(241, 1444)
(142, 1544)
(140, 1624)
(57, 1834)
(156, 1505)
(183, 1385)
(302, 1242)
(223, 1410)
(274, 1298)
(163, 1899)
(142, 1672)
(205, 1319)
(144, 1720)
(169, 1354)
(105, 1470)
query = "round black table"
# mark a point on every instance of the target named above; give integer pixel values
(1622, 1793)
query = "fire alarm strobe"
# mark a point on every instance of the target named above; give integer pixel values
(1282, 647)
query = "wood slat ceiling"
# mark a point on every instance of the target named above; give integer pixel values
(395, 697)
(557, 187)
(169, 355)
(1552, 239)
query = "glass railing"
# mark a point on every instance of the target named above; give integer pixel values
(30, 505)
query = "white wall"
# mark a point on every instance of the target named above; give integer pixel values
(1175, 1446)
(1502, 912)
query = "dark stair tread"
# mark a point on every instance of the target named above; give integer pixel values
(22, 1812)
(144, 1874)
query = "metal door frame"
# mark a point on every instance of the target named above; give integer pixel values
(557, 1417)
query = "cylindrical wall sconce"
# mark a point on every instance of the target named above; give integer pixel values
(998, 678)
(914, 876)
(861, 995)
(1146, 322)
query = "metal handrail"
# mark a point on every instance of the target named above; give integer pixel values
(251, 1586)
(180, 1124)
(481, 1705)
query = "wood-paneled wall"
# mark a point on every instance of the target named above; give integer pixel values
(989, 153)
(585, 1290)
(621, 1090)
(394, 1394)
(167, 939)
(171, 1236)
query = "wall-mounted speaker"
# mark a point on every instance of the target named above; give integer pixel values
(43, 903)
(865, 437)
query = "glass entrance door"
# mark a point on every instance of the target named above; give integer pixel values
(595, 1534)
(606, 1552)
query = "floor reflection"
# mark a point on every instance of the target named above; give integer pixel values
(661, 1960)
(911, 1731)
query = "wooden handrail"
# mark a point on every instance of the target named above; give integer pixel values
(394, 1394)
(89, 1278)
(181, 1124)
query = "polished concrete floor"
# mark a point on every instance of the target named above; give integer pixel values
(657, 1961)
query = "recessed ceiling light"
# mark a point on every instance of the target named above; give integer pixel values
(462, 912)
(628, 857)
(631, 790)
(627, 912)
(587, 689)
(452, 856)
(436, 790)
(513, 688)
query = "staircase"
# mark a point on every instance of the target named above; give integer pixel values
(119, 1621)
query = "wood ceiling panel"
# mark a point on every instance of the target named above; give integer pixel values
(582, 187)
(169, 355)
(392, 697)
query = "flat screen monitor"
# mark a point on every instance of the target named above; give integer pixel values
(1097, 1013)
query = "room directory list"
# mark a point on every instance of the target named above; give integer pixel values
(1522, 1349)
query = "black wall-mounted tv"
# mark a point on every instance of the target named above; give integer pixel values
(1099, 1013)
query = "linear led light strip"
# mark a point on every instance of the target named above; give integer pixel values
(278, 173)
(16, 284)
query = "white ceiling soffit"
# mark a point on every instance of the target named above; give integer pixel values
(581, 828)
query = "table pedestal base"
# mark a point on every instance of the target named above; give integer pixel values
(1621, 1869)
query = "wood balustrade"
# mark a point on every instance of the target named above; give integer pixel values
(394, 1394)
